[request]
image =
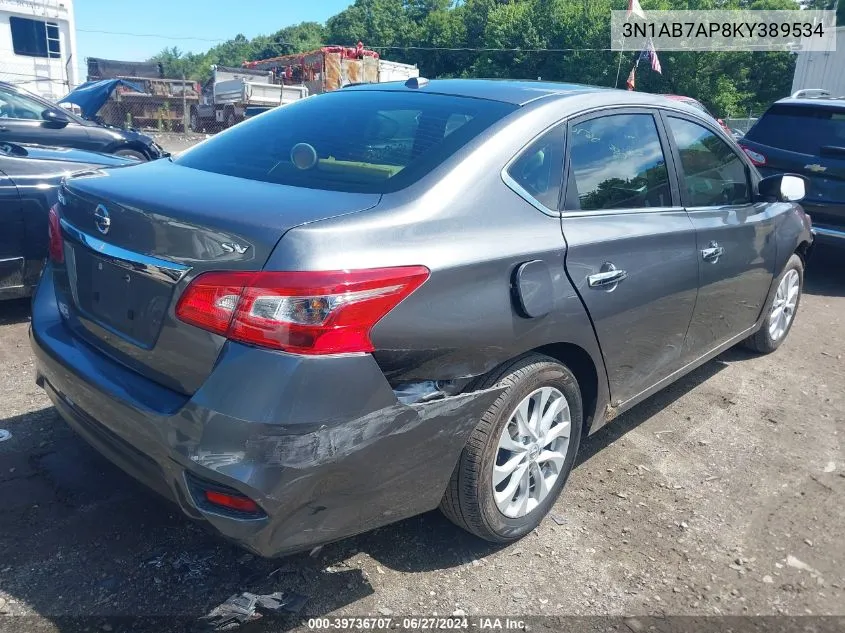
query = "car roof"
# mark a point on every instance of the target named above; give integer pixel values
(835, 102)
(516, 92)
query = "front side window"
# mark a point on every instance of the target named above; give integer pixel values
(35, 38)
(617, 162)
(714, 175)
(539, 169)
(364, 141)
(16, 106)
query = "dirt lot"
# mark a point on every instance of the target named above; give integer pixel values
(175, 143)
(724, 494)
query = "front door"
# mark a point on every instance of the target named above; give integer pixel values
(631, 249)
(21, 121)
(735, 236)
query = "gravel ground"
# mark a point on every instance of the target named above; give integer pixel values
(175, 142)
(721, 495)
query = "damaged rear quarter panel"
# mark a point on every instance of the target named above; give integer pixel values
(355, 460)
(359, 475)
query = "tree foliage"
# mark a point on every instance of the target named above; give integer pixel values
(556, 40)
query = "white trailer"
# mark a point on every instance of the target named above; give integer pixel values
(233, 94)
(822, 69)
(38, 46)
(395, 71)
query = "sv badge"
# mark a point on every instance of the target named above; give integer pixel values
(234, 247)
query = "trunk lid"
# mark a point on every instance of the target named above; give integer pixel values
(135, 237)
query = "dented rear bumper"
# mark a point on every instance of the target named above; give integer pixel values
(321, 444)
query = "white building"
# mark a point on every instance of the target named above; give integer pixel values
(38, 46)
(822, 69)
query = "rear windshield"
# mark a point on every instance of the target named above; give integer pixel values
(357, 141)
(800, 128)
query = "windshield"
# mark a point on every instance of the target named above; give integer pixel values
(357, 141)
(820, 126)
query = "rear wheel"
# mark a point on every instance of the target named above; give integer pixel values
(196, 126)
(519, 456)
(775, 328)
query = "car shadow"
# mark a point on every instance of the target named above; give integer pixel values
(824, 274)
(78, 536)
(14, 311)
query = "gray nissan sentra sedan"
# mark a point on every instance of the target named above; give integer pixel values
(395, 297)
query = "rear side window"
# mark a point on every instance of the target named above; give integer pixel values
(617, 162)
(713, 174)
(539, 169)
(356, 141)
(818, 125)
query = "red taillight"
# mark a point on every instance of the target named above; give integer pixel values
(302, 312)
(233, 502)
(756, 157)
(54, 231)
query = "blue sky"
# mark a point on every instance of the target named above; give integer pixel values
(171, 19)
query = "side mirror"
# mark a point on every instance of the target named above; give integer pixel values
(55, 118)
(782, 188)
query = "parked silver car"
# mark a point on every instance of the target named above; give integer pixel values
(395, 297)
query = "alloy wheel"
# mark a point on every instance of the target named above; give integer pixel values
(783, 308)
(531, 452)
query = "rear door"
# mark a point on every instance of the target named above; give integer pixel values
(807, 139)
(736, 248)
(631, 249)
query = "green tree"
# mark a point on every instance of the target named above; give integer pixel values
(558, 40)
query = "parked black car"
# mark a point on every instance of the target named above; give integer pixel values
(805, 134)
(29, 180)
(27, 118)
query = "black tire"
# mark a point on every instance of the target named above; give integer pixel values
(230, 118)
(131, 153)
(762, 342)
(196, 122)
(469, 501)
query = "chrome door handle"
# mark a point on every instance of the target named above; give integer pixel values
(607, 278)
(713, 252)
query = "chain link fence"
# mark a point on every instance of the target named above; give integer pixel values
(146, 99)
(741, 124)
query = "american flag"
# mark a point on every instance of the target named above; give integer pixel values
(648, 53)
(635, 8)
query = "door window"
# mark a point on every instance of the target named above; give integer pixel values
(617, 162)
(714, 175)
(16, 106)
(539, 169)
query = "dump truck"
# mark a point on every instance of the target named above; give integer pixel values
(232, 94)
(333, 67)
(147, 99)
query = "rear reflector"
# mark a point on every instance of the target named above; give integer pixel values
(232, 502)
(303, 312)
(54, 232)
(757, 158)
